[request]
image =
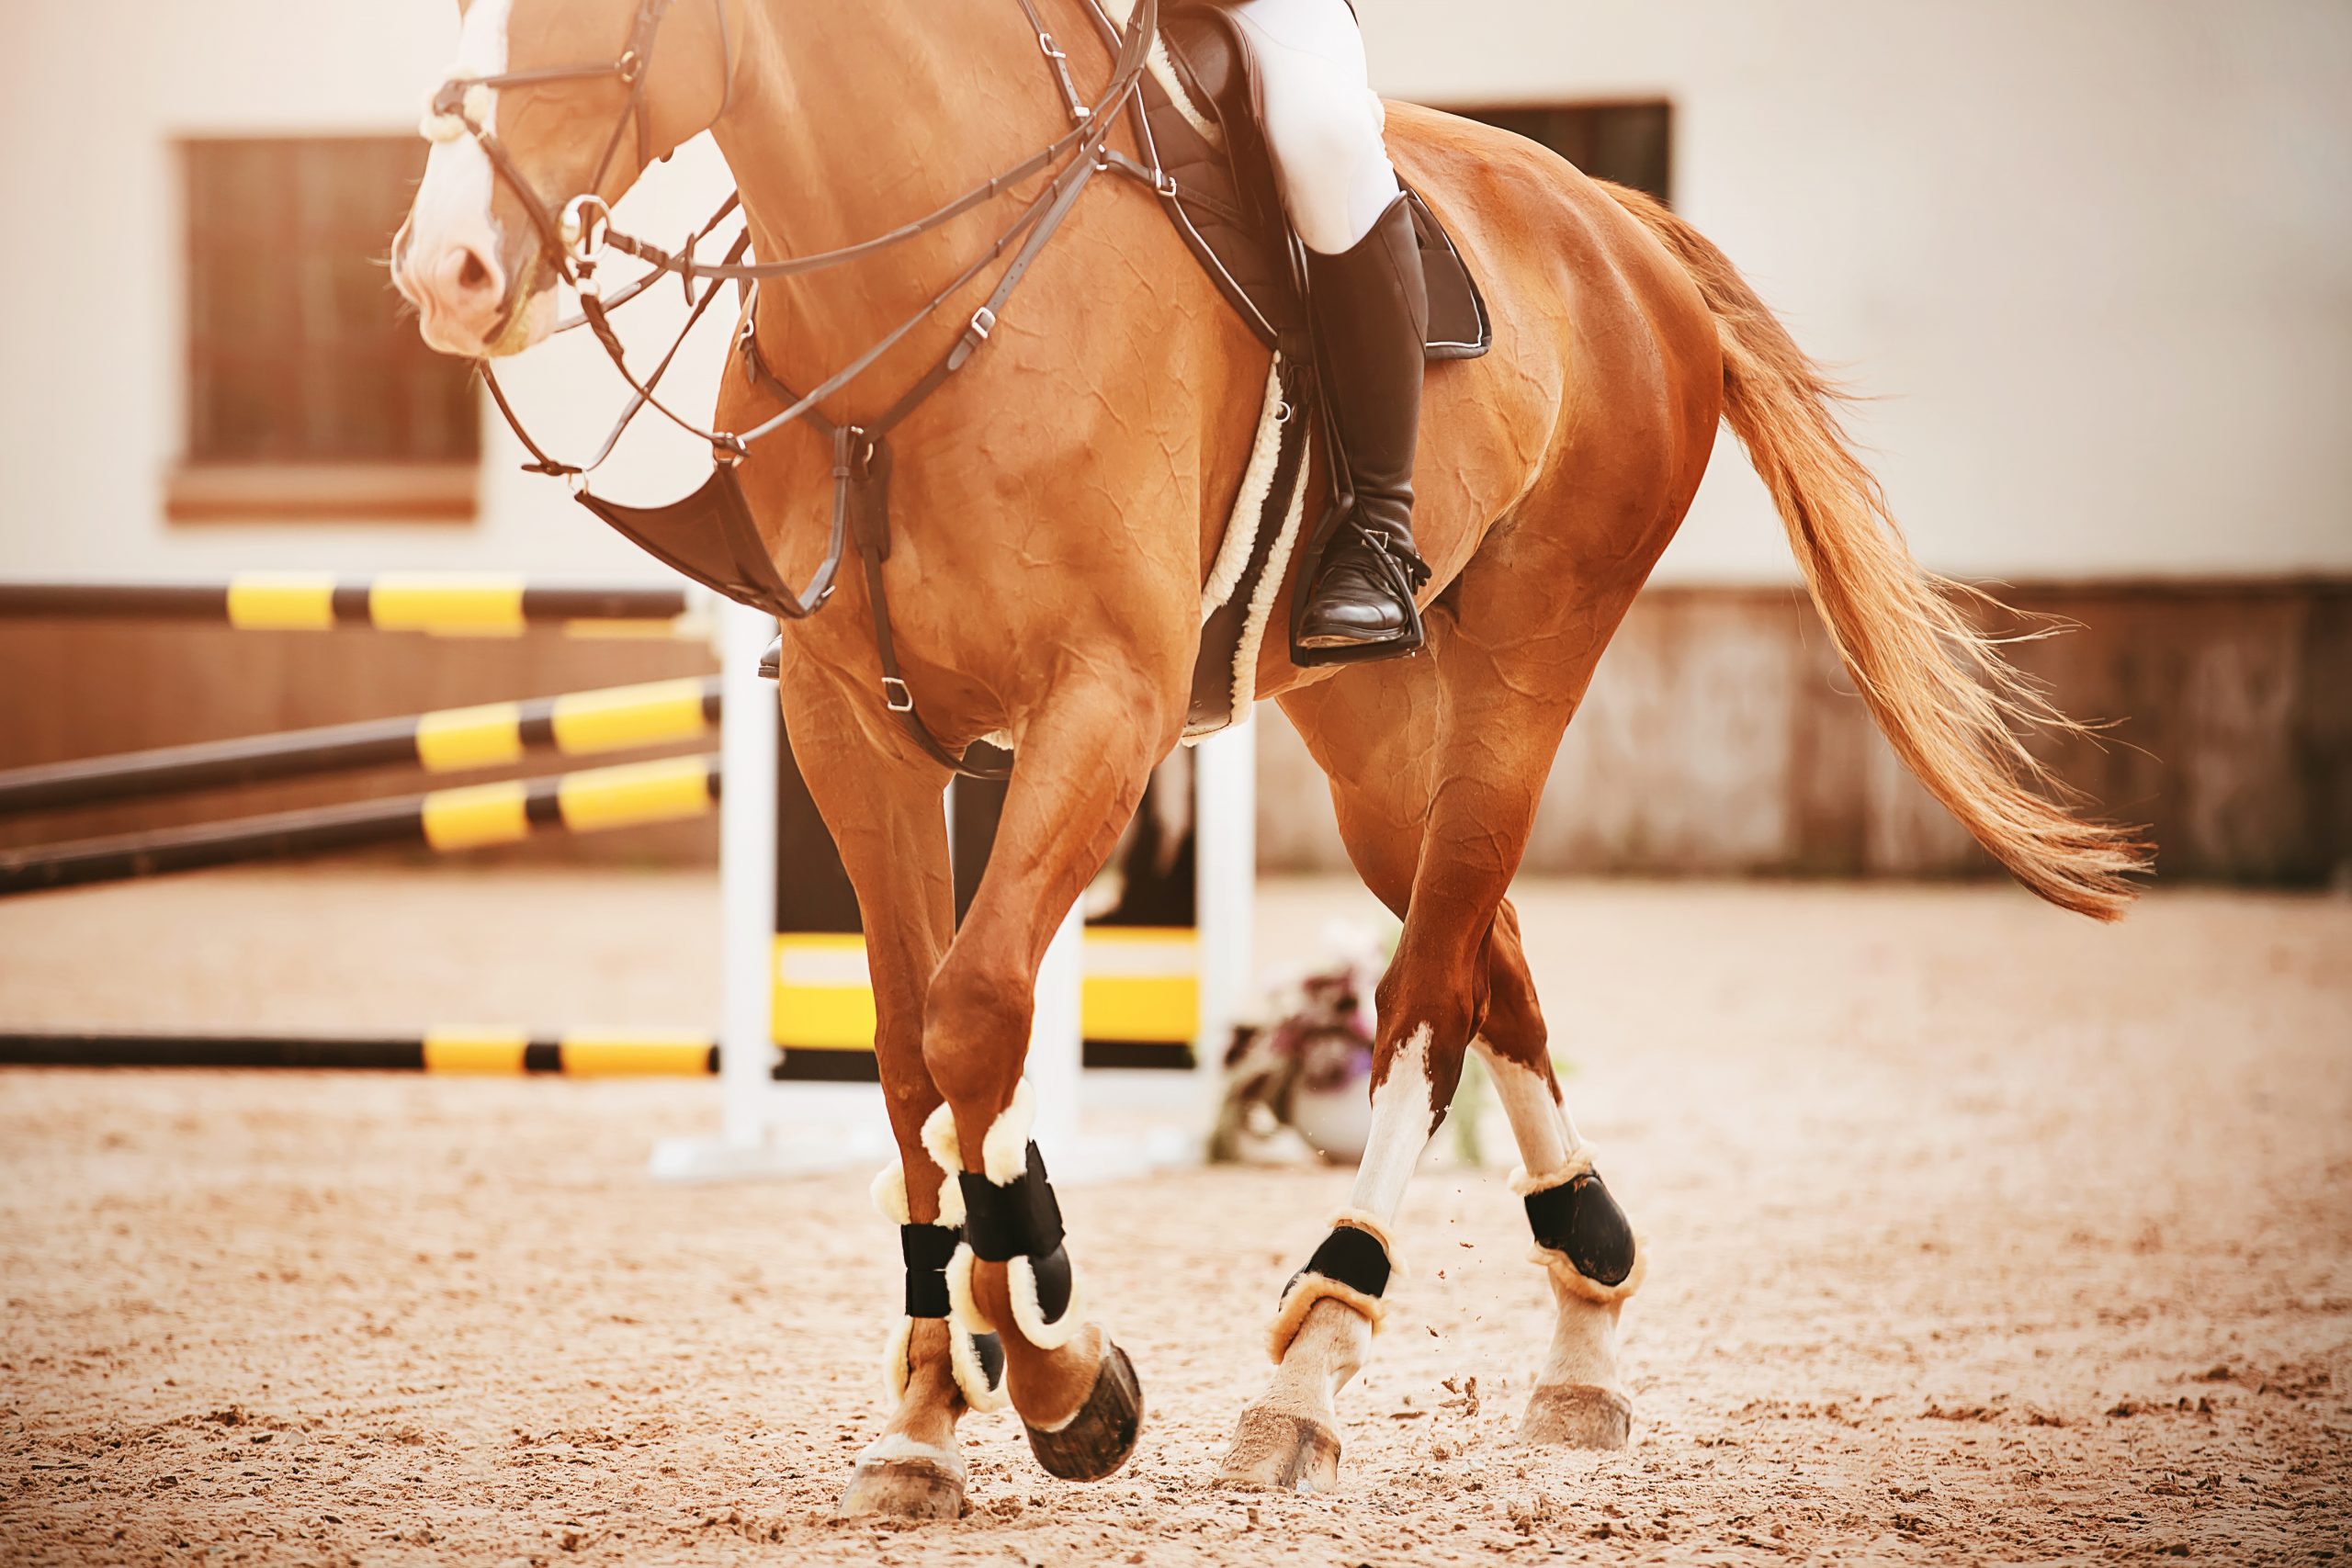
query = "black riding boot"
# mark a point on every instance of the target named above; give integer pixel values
(1371, 310)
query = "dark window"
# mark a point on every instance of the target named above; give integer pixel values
(298, 351)
(1631, 144)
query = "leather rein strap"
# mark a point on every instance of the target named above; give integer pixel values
(569, 242)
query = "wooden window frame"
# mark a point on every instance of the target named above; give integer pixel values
(236, 487)
(1480, 109)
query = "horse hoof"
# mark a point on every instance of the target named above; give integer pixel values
(1096, 1441)
(895, 1479)
(1578, 1415)
(1282, 1452)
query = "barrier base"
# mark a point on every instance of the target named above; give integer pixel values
(797, 1153)
(804, 1153)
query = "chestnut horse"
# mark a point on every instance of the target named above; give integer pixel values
(1057, 507)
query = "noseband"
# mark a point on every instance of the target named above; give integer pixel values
(571, 240)
(457, 110)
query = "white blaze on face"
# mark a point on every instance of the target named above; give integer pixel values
(452, 213)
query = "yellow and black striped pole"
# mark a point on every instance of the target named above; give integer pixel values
(579, 723)
(470, 816)
(443, 605)
(461, 1052)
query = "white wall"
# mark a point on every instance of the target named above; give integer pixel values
(2095, 255)
(91, 292)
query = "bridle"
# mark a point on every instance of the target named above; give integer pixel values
(452, 110)
(570, 242)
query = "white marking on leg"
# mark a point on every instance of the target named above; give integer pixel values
(1004, 1148)
(897, 1448)
(1402, 1111)
(898, 1361)
(1538, 1121)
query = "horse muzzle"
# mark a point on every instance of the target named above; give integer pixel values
(467, 303)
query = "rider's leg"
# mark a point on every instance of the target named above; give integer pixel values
(1370, 304)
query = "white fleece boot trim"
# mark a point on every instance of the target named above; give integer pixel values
(1029, 1315)
(889, 1194)
(1579, 1163)
(898, 1361)
(1004, 1149)
(951, 1202)
(939, 1137)
(1300, 1299)
(964, 1312)
(963, 1364)
(1565, 1273)
(1309, 1288)
(971, 1377)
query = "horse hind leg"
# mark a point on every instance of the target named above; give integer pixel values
(1582, 1240)
(1440, 839)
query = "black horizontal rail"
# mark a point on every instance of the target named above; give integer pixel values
(281, 600)
(441, 740)
(470, 816)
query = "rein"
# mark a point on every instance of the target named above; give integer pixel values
(569, 242)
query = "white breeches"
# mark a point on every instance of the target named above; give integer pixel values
(1323, 120)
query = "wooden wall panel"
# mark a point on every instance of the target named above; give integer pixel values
(1720, 736)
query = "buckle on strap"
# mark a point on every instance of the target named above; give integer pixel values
(1405, 565)
(983, 323)
(896, 696)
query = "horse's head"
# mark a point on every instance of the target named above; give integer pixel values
(553, 107)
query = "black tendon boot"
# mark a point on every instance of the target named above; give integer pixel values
(1371, 309)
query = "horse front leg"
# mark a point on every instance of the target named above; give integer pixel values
(1079, 773)
(1322, 1331)
(887, 822)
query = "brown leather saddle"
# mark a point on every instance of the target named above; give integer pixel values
(1198, 110)
(1227, 205)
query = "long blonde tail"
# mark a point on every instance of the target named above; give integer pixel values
(1952, 706)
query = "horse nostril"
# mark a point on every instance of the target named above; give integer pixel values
(473, 274)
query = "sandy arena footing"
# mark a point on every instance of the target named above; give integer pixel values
(1978, 1234)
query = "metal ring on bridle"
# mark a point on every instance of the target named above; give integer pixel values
(583, 235)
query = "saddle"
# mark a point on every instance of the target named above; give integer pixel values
(1197, 111)
(1200, 104)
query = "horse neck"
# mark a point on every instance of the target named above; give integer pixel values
(853, 117)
